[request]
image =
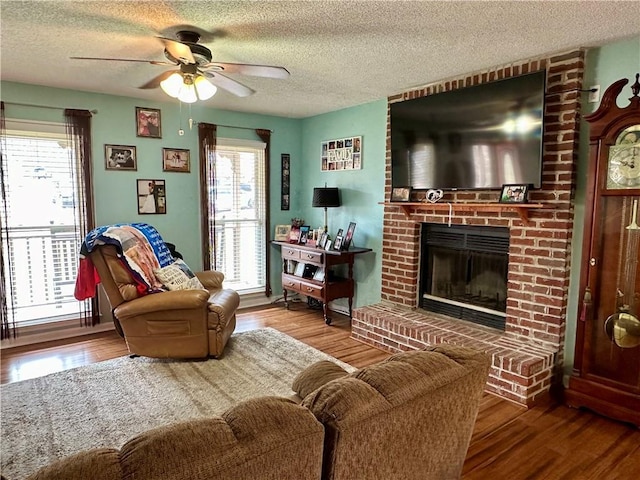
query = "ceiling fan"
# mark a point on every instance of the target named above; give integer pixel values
(195, 68)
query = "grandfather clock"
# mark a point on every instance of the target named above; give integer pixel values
(606, 373)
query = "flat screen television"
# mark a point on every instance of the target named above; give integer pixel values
(479, 137)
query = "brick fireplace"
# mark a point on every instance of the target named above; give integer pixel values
(528, 354)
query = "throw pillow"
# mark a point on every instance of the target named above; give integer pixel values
(315, 376)
(178, 276)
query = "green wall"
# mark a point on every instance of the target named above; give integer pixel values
(114, 123)
(360, 190)
(603, 66)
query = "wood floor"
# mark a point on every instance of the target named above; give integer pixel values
(549, 441)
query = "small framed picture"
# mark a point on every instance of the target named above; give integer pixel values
(148, 122)
(514, 193)
(304, 234)
(176, 160)
(120, 157)
(400, 194)
(328, 244)
(294, 235)
(322, 240)
(152, 196)
(349, 236)
(337, 244)
(282, 233)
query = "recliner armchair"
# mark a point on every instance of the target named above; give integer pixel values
(173, 324)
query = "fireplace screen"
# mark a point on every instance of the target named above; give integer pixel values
(464, 272)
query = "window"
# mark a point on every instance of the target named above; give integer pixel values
(41, 254)
(237, 200)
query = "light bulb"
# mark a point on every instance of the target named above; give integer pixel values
(204, 88)
(172, 85)
(188, 94)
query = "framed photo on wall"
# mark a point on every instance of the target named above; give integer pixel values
(148, 123)
(176, 160)
(151, 196)
(120, 157)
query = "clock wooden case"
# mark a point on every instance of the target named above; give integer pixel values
(606, 373)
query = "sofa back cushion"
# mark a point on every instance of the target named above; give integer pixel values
(265, 438)
(408, 417)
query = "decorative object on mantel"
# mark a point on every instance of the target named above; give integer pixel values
(434, 195)
(400, 194)
(342, 154)
(325, 197)
(514, 193)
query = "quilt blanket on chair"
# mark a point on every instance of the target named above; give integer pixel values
(141, 248)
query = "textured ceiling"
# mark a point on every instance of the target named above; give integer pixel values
(339, 53)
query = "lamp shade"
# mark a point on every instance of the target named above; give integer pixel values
(326, 197)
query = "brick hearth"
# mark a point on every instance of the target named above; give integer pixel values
(528, 356)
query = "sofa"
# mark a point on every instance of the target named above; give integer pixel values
(191, 323)
(410, 416)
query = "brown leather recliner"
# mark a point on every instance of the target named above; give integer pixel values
(174, 324)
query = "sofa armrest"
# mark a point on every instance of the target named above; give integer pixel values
(211, 279)
(162, 302)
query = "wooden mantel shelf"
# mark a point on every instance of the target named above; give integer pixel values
(521, 208)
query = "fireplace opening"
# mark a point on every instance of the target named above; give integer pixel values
(463, 272)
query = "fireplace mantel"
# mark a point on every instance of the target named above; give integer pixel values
(521, 208)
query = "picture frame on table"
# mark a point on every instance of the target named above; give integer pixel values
(176, 160)
(294, 235)
(304, 234)
(337, 244)
(120, 157)
(400, 194)
(349, 236)
(514, 193)
(282, 233)
(148, 122)
(322, 240)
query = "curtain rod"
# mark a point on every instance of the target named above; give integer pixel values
(235, 126)
(94, 111)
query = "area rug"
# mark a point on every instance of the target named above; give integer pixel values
(105, 404)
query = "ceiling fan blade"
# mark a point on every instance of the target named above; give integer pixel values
(228, 84)
(155, 81)
(178, 50)
(268, 71)
(152, 62)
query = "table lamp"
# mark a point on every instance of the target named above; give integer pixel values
(326, 197)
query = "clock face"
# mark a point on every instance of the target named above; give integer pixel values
(623, 169)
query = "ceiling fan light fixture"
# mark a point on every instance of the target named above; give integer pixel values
(188, 93)
(172, 85)
(204, 88)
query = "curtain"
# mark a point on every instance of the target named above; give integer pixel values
(265, 136)
(207, 134)
(7, 318)
(78, 128)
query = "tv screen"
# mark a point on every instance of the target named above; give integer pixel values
(479, 137)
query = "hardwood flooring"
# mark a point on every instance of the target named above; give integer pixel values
(547, 442)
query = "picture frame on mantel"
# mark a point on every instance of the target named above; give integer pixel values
(400, 194)
(514, 193)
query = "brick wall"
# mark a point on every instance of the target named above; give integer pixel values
(539, 255)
